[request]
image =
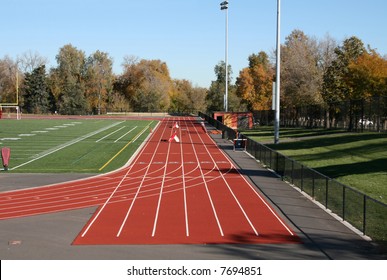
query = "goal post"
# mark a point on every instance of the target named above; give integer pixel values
(10, 112)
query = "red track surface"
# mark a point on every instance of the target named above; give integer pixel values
(171, 193)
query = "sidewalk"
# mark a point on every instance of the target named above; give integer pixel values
(314, 225)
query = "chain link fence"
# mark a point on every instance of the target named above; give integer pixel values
(353, 115)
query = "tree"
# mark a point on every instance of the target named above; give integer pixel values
(98, 81)
(67, 81)
(300, 75)
(146, 84)
(335, 78)
(118, 103)
(254, 84)
(37, 98)
(367, 75)
(337, 85)
(326, 52)
(216, 92)
(29, 61)
(186, 98)
(368, 79)
(10, 76)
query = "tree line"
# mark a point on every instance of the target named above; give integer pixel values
(314, 72)
(81, 84)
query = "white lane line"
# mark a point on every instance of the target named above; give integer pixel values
(60, 147)
(258, 195)
(112, 194)
(228, 186)
(106, 203)
(184, 185)
(161, 189)
(206, 186)
(106, 136)
(138, 189)
(125, 134)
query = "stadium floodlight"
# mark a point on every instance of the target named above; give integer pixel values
(224, 6)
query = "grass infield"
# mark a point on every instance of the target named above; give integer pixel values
(358, 160)
(71, 145)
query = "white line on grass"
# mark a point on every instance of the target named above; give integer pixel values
(60, 147)
(106, 136)
(125, 134)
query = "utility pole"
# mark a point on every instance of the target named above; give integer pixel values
(278, 73)
(224, 6)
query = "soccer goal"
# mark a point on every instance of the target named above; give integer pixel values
(10, 112)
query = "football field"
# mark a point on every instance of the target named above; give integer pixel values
(72, 145)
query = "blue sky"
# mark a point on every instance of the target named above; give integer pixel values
(188, 35)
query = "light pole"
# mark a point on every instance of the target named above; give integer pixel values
(224, 6)
(278, 73)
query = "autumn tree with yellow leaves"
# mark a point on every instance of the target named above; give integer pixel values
(254, 84)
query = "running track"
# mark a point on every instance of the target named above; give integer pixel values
(170, 193)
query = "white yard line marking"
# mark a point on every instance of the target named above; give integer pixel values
(9, 139)
(106, 136)
(125, 134)
(60, 147)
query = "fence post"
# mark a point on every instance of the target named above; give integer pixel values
(326, 192)
(364, 213)
(313, 185)
(343, 203)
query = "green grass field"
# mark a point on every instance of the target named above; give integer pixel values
(71, 145)
(358, 160)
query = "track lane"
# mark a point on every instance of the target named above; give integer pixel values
(111, 216)
(60, 197)
(170, 193)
